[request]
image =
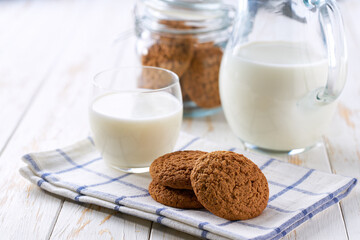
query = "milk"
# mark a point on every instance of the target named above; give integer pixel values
(133, 129)
(268, 93)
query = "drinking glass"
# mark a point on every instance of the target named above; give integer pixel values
(135, 115)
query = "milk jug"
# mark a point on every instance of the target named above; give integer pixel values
(282, 72)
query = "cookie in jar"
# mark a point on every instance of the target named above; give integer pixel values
(188, 39)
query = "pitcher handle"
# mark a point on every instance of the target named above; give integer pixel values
(332, 27)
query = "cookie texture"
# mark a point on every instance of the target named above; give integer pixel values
(154, 78)
(178, 198)
(201, 80)
(230, 185)
(171, 53)
(174, 169)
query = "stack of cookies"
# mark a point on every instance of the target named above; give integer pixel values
(226, 183)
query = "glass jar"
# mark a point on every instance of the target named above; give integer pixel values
(188, 38)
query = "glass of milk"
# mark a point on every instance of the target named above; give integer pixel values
(135, 115)
(282, 72)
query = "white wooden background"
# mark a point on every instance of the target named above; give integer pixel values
(49, 51)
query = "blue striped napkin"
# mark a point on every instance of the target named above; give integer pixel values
(297, 194)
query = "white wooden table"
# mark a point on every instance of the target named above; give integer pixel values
(49, 51)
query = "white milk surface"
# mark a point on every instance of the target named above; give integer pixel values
(265, 88)
(133, 129)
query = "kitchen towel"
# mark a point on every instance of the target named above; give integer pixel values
(297, 194)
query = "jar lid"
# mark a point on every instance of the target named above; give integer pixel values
(195, 16)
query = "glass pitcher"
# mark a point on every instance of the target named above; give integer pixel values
(282, 71)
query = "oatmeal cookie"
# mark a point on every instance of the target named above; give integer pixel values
(230, 185)
(173, 169)
(178, 198)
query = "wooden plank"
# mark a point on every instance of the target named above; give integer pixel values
(314, 228)
(328, 224)
(31, 49)
(343, 142)
(62, 120)
(78, 221)
(16, 91)
(26, 212)
(67, 91)
(12, 15)
(214, 128)
(58, 116)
